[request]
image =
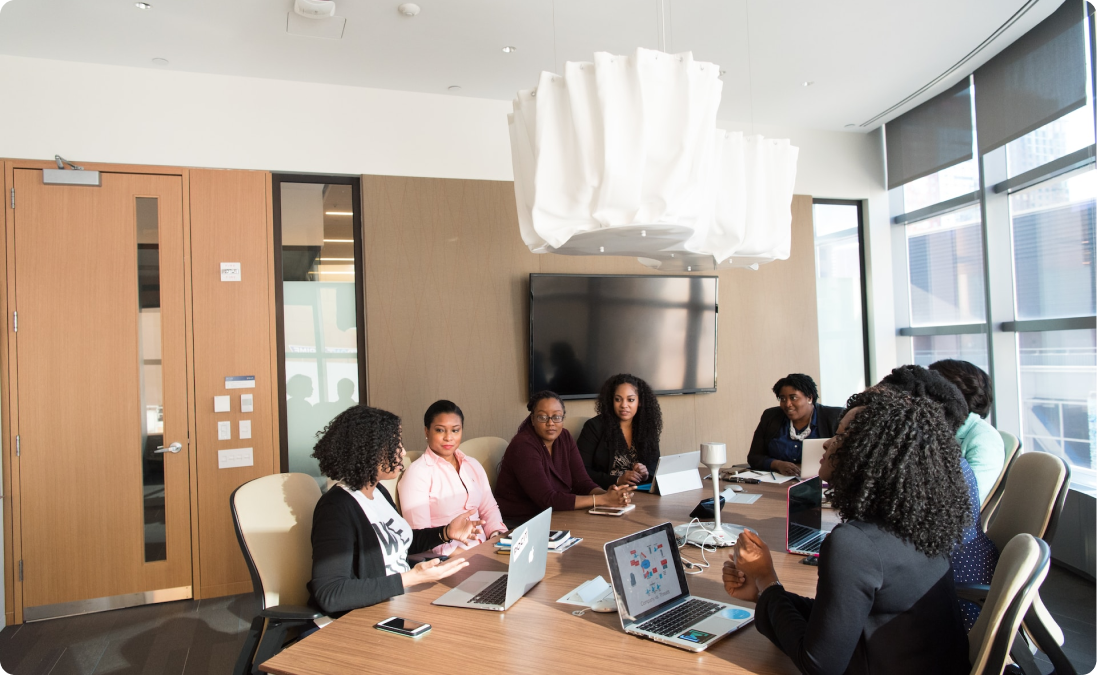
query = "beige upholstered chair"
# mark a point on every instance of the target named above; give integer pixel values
(488, 450)
(574, 425)
(272, 516)
(1022, 567)
(390, 485)
(1012, 447)
(1035, 488)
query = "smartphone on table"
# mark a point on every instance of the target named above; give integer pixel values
(611, 510)
(395, 624)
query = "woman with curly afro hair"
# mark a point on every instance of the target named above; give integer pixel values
(885, 600)
(360, 543)
(620, 445)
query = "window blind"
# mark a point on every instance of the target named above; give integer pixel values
(934, 136)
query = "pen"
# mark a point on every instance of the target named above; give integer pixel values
(772, 476)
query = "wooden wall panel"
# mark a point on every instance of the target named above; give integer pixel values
(232, 336)
(447, 315)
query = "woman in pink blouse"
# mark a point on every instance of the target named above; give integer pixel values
(444, 482)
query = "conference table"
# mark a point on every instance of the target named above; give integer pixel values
(538, 634)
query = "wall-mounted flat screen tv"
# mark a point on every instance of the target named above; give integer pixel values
(586, 328)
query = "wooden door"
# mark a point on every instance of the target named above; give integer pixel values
(101, 357)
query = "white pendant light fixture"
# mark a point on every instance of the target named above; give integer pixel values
(622, 157)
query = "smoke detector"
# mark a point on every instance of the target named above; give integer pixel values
(314, 9)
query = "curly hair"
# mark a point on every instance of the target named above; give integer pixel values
(898, 465)
(921, 383)
(357, 444)
(800, 382)
(972, 381)
(647, 425)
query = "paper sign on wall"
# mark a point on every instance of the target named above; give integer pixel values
(240, 382)
(230, 271)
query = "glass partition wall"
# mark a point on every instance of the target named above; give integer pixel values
(318, 239)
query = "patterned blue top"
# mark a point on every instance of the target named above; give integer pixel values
(786, 448)
(973, 562)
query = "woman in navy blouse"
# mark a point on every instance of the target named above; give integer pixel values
(779, 439)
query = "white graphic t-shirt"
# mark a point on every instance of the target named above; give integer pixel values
(392, 530)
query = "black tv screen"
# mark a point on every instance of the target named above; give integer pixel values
(586, 328)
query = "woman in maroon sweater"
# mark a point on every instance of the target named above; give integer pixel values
(542, 468)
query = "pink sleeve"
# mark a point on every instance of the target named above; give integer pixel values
(490, 516)
(414, 489)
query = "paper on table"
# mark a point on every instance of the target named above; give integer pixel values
(765, 476)
(588, 592)
(732, 497)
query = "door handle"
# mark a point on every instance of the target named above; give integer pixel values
(173, 449)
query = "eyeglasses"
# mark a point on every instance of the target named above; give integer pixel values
(543, 419)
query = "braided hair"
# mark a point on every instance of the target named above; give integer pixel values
(898, 465)
(357, 444)
(647, 425)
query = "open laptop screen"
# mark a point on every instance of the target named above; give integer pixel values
(646, 569)
(805, 504)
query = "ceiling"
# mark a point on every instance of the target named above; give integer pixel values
(863, 57)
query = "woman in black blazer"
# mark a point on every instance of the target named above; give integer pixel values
(620, 445)
(778, 440)
(360, 543)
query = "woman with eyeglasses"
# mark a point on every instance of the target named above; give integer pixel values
(542, 468)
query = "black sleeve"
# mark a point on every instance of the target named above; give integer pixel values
(334, 584)
(823, 639)
(653, 463)
(590, 440)
(758, 454)
(829, 416)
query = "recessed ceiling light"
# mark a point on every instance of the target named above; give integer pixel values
(809, 83)
(408, 9)
(338, 213)
(142, 5)
(508, 49)
(454, 87)
(160, 62)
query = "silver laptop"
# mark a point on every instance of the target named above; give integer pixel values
(669, 465)
(653, 599)
(497, 591)
(811, 457)
(805, 532)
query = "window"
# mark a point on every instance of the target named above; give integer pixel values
(839, 288)
(318, 235)
(946, 269)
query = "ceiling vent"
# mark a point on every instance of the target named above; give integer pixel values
(315, 18)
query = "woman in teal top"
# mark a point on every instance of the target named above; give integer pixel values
(980, 443)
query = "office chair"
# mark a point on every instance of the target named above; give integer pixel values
(272, 516)
(488, 450)
(1022, 567)
(1012, 447)
(1031, 502)
(390, 484)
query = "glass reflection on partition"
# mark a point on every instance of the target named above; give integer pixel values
(319, 313)
(151, 374)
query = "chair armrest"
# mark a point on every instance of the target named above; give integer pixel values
(976, 593)
(291, 613)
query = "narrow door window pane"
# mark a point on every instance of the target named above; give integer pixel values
(1059, 398)
(151, 374)
(946, 269)
(320, 313)
(971, 348)
(1053, 248)
(838, 297)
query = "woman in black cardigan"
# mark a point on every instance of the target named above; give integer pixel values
(779, 439)
(620, 445)
(360, 543)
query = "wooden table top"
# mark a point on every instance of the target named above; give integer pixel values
(538, 634)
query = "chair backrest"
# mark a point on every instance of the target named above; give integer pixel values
(273, 520)
(1021, 569)
(1012, 445)
(1034, 494)
(390, 484)
(574, 425)
(488, 450)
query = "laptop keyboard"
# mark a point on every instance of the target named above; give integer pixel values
(494, 594)
(670, 624)
(805, 539)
